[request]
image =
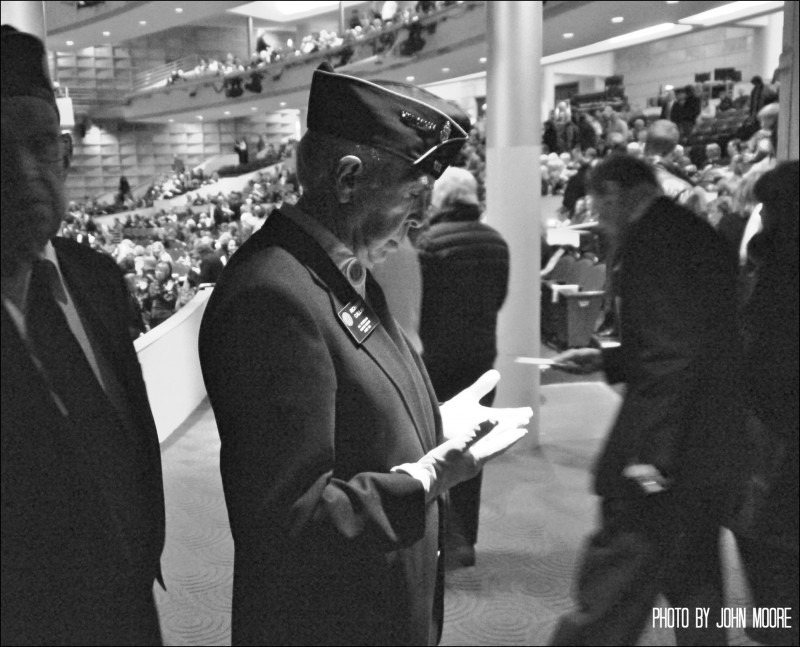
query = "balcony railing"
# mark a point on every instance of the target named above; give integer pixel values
(387, 43)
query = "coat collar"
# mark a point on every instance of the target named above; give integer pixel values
(386, 345)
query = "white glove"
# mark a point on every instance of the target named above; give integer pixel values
(462, 414)
(475, 434)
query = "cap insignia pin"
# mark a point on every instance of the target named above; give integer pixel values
(445, 132)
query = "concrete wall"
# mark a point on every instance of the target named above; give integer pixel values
(143, 151)
(676, 60)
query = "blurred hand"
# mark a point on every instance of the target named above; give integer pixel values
(579, 360)
(647, 477)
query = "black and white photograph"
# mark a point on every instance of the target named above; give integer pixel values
(400, 323)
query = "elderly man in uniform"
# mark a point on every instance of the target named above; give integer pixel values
(83, 501)
(332, 457)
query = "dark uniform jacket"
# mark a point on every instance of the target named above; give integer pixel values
(331, 548)
(83, 503)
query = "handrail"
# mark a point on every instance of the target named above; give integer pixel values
(162, 73)
(276, 68)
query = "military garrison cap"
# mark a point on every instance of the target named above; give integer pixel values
(23, 67)
(402, 119)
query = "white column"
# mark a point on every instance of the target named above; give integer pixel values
(788, 131)
(25, 16)
(513, 139)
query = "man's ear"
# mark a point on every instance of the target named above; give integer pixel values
(348, 169)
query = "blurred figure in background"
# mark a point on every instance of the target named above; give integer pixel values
(768, 542)
(465, 266)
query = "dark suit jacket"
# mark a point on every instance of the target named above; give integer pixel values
(680, 357)
(331, 548)
(73, 572)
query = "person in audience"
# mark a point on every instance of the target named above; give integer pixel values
(760, 96)
(673, 457)
(330, 429)
(162, 293)
(209, 262)
(768, 543)
(82, 496)
(465, 265)
(241, 150)
(761, 148)
(661, 151)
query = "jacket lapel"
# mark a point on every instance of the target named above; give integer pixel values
(385, 345)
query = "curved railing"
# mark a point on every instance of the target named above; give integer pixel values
(451, 29)
(171, 365)
(366, 48)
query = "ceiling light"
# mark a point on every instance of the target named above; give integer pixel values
(445, 69)
(283, 103)
(178, 9)
(106, 33)
(482, 59)
(672, 1)
(70, 43)
(142, 22)
(227, 112)
(730, 12)
(172, 121)
(569, 34)
(253, 108)
(409, 78)
(617, 19)
(200, 117)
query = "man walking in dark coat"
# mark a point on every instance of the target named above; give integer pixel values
(669, 466)
(464, 284)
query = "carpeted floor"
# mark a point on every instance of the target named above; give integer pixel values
(536, 512)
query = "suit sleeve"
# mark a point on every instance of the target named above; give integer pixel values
(670, 307)
(273, 385)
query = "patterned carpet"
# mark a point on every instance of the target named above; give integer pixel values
(536, 512)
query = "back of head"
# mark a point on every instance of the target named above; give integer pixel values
(455, 186)
(620, 172)
(779, 192)
(662, 138)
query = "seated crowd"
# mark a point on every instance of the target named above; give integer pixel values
(167, 256)
(375, 25)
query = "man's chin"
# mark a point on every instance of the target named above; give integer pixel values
(380, 254)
